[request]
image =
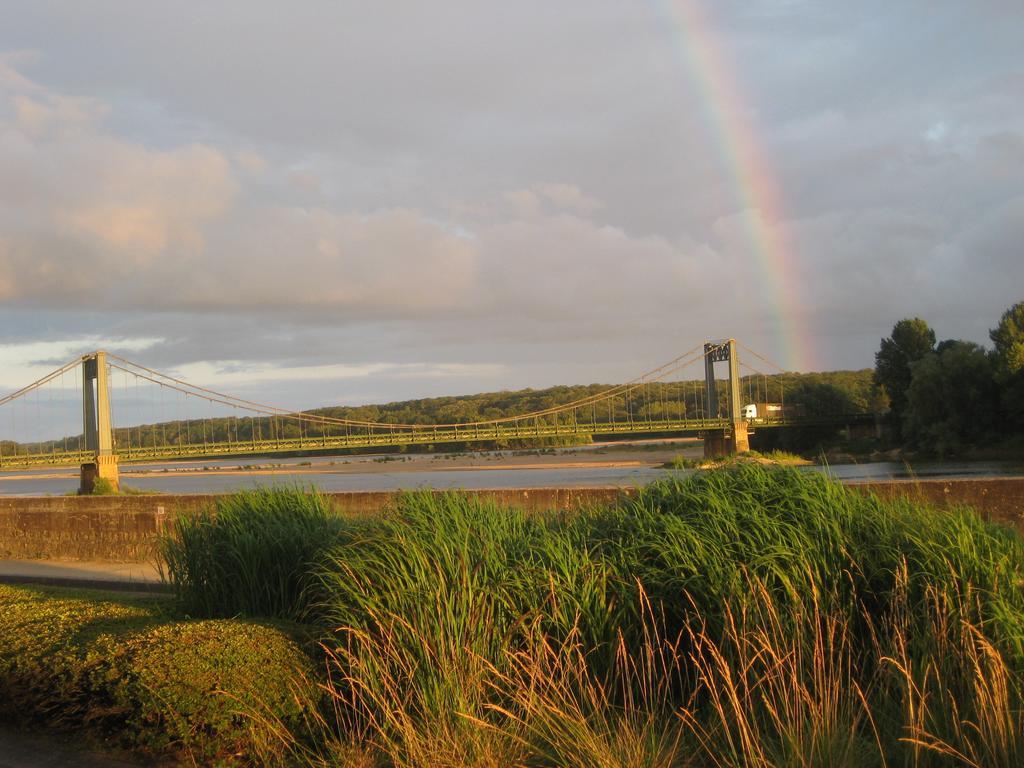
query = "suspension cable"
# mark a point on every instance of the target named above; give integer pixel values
(220, 398)
(638, 403)
(762, 358)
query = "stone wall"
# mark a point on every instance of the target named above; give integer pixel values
(123, 528)
(999, 499)
(107, 528)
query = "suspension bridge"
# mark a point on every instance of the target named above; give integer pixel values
(188, 421)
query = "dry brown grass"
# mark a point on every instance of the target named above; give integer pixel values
(778, 687)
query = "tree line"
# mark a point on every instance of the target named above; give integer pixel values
(947, 396)
(824, 393)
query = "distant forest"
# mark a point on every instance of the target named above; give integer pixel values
(818, 393)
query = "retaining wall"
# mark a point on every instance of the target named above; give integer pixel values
(999, 499)
(123, 528)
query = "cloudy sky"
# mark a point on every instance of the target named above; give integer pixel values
(328, 201)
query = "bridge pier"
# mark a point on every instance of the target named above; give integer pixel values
(104, 467)
(719, 443)
(99, 437)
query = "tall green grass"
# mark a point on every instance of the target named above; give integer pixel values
(470, 634)
(250, 553)
(747, 616)
(798, 533)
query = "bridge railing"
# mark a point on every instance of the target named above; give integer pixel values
(44, 459)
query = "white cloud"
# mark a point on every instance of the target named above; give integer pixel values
(250, 161)
(225, 373)
(25, 363)
(177, 229)
(533, 183)
(937, 132)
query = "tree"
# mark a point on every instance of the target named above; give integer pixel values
(952, 398)
(820, 398)
(910, 341)
(1008, 338)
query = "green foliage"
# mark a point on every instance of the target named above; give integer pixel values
(952, 400)
(250, 553)
(825, 398)
(702, 534)
(776, 457)
(781, 458)
(911, 340)
(1011, 403)
(445, 600)
(682, 462)
(796, 532)
(1008, 338)
(125, 671)
(103, 487)
(657, 401)
(954, 396)
(750, 615)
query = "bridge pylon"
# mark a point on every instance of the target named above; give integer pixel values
(724, 442)
(99, 436)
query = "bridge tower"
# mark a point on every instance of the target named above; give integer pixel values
(99, 437)
(734, 439)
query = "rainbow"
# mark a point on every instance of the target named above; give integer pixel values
(757, 190)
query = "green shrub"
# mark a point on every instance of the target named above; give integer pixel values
(126, 672)
(103, 487)
(682, 462)
(250, 554)
(203, 686)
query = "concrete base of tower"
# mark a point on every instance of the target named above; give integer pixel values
(105, 467)
(740, 437)
(719, 443)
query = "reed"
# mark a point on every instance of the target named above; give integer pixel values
(758, 608)
(250, 553)
(747, 616)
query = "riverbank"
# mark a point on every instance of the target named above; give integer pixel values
(647, 453)
(630, 464)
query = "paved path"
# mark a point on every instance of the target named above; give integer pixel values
(20, 749)
(120, 576)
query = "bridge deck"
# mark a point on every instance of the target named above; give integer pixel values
(425, 435)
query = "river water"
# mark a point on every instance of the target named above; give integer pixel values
(366, 474)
